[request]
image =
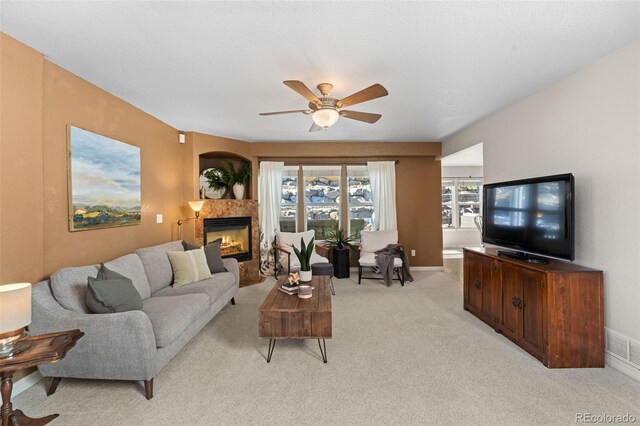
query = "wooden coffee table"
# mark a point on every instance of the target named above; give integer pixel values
(288, 317)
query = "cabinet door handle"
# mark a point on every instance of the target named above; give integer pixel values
(477, 283)
(517, 302)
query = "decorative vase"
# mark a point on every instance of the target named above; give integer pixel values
(238, 191)
(305, 276)
(305, 291)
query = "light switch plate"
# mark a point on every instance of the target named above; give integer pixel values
(159, 218)
(413, 252)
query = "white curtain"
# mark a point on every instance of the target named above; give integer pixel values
(382, 175)
(269, 198)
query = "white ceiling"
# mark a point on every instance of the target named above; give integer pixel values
(213, 66)
(471, 156)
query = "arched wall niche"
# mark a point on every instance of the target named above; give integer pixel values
(220, 159)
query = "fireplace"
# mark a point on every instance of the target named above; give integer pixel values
(235, 233)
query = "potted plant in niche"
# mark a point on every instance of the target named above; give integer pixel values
(341, 243)
(304, 256)
(232, 178)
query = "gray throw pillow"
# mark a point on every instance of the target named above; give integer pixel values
(188, 246)
(213, 254)
(112, 292)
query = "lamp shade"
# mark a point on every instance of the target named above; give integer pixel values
(15, 306)
(325, 117)
(196, 206)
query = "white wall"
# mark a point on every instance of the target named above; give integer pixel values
(462, 171)
(588, 124)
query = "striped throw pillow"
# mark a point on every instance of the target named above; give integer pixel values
(188, 266)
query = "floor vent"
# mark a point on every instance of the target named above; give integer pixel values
(624, 348)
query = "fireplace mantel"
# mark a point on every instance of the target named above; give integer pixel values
(249, 270)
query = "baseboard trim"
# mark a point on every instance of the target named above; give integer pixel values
(622, 366)
(427, 268)
(25, 383)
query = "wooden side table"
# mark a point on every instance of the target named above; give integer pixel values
(45, 349)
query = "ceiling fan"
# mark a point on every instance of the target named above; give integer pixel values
(325, 110)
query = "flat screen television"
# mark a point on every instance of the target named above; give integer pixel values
(531, 216)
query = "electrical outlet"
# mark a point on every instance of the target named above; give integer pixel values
(159, 218)
(413, 252)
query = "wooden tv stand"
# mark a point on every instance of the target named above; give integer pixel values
(554, 311)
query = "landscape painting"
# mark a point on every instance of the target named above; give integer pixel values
(104, 181)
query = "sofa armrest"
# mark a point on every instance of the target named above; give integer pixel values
(117, 346)
(231, 265)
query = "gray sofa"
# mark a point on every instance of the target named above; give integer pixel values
(132, 345)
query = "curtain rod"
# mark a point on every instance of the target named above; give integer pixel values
(317, 161)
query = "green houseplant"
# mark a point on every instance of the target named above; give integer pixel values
(341, 243)
(230, 178)
(304, 256)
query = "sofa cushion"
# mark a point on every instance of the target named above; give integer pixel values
(69, 287)
(215, 287)
(188, 266)
(131, 267)
(171, 315)
(156, 264)
(371, 241)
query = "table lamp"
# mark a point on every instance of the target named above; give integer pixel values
(15, 315)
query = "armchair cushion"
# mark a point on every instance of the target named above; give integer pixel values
(287, 239)
(369, 259)
(371, 241)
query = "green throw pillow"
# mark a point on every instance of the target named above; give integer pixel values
(188, 266)
(213, 254)
(111, 292)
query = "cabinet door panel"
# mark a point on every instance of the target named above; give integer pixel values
(532, 294)
(473, 285)
(511, 293)
(488, 288)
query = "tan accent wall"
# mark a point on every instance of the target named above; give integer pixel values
(70, 100)
(21, 174)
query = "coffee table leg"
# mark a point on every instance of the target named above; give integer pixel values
(323, 352)
(272, 345)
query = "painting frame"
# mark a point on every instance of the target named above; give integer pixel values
(104, 181)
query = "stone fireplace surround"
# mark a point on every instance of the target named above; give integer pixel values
(250, 269)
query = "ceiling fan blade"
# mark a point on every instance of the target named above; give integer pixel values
(371, 92)
(315, 127)
(367, 117)
(304, 111)
(302, 89)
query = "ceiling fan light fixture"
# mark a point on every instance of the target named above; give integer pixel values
(325, 117)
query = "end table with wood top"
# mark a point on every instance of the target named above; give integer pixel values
(45, 349)
(284, 316)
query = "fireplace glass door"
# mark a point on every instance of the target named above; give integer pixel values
(235, 233)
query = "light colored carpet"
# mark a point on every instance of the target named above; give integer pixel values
(400, 355)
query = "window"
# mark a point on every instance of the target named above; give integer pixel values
(289, 201)
(460, 202)
(321, 198)
(360, 200)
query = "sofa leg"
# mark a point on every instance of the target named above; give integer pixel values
(359, 274)
(233, 300)
(55, 381)
(148, 388)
